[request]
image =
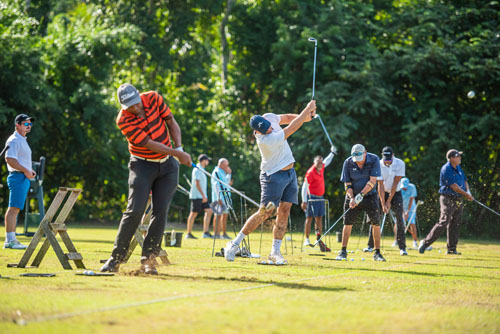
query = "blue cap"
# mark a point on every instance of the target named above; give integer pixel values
(405, 182)
(259, 123)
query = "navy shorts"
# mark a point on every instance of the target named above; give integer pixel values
(279, 187)
(198, 206)
(19, 185)
(315, 206)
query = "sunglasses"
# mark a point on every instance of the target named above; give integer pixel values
(357, 154)
(27, 124)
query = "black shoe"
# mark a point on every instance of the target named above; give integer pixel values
(342, 256)
(453, 252)
(378, 257)
(190, 236)
(112, 266)
(148, 265)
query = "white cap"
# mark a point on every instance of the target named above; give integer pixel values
(357, 152)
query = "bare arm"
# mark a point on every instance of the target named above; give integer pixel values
(459, 190)
(174, 130)
(305, 116)
(158, 147)
(17, 166)
(287, 118)
(198, 186)
(394, 187)
(381, 191)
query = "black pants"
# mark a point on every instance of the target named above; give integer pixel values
(450, 220)
(161, 180)
(397, 208)
(370, 205)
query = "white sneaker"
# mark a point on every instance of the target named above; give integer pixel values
(307, 242)
(230, 251)
(277, 259)
(368, 249)
(14, 244)
(395, 244)
(403, 252)
(415, 244)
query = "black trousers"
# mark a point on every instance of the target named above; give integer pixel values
(450, 220)
(370, 205)
(145, 177)
(397, 208)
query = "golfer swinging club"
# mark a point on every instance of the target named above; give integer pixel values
(278, 180)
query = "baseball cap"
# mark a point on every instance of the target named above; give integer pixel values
(405, 182)
(387, 152)
(453, 153)
(128, 95)
(259, 123)
(23, 117)
(357, 152)
(202, 157)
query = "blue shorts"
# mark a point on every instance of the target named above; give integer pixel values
(18, 186)
(315, 208)
(411, 216)
(279, 187)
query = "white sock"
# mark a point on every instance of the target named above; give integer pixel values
(276, 246)
(10, 236)
(239, 238)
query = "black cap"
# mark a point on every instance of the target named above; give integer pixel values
(453, 153)
(202, 157)
(387, 152)
(23, 117)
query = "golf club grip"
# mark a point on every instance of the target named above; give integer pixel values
(3, 151)
(227, 185)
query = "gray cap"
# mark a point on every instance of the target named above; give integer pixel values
(128, 95)
(357, 152)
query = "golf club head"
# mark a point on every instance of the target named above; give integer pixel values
(420, 202)
(270, 206)
(312, 39)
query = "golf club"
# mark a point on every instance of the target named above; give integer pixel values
(187, 180)
(3, 151)
(484, 206)
(326, 132)
(182, 190)
(382, 227)
(412, 215)
(311, 39)
(331, 227)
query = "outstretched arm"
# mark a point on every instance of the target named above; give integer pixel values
(305, 116)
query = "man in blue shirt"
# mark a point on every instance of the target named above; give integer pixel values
(409, 193)
(359, 174)
(453, 187)
(222, 195)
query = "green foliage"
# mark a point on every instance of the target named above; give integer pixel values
(388, 73)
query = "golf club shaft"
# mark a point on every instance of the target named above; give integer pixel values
(331, 227)
(314, 70)
(324, 129)
(3, 151)
(383, 222)
(411, 217)
(227, 185)
(484, 206)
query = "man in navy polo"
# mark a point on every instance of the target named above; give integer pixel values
(359, 174)
(453, 187)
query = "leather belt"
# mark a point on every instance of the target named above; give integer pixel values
(152, 160)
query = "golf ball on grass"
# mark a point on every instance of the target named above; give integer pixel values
(471, 94)
(362, 259)
(352, 259)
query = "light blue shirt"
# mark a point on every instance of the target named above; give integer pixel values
(410, 192)
(19, 150)
(217, 186)
(197, 174)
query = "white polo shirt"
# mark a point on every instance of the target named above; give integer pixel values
(19, 150)
(274, 149)
(397, 168)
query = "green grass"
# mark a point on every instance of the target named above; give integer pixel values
(431, 293)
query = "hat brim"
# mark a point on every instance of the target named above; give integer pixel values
(130, 103)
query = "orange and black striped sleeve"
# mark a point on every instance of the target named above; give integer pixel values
(131, 130)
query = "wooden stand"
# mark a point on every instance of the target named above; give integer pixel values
(49, 227)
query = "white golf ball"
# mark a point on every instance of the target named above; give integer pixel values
(352, 259)
(471, 94)
(362, 259)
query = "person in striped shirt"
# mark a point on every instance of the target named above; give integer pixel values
(147, 123)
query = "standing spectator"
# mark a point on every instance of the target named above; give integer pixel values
(19, 165)
(453, 187)
(409, 193)
(199, 199)
(152, 170)
(219, 194)
(313, 188)
(359, 174)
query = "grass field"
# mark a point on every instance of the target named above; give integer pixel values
(430, 293)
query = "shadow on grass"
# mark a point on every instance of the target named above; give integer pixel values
(287, 285)
(427, 274)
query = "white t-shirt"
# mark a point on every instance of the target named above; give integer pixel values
(397, 168)
(274, 149)
(19, 150)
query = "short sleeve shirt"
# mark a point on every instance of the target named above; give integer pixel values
(19, 150)
(359, 177)
(397, 168)
(316, 181)
(216, 185)
(274, 149)
(407, 194)
(197, 174)
(139, 131)
(449, 176)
